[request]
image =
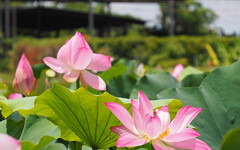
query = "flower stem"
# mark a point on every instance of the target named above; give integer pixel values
(77, 84)
(74, 145)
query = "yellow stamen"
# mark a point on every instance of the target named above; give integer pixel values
(28, 91)
(146, 138)
(164, 134)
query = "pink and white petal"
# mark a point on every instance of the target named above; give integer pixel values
(26, 69)
(83, 82)
(19, 82)
(92, 80)
(183, 118)
(78, 41)
(164, 116)
(25, 65)
(134, 103)
(81, 58)
(177, 71)
(120, 129)
(201, 145)
(191, 114)
(152, 126)
(129, 140)
(122, 114)
(100, 62)
(137, 118)
(71, 76)
(145, 106)
(187, 144)
(14, 96)
(54, 64)
(81, 53)
(33, 84)
(186, 134)
(64, 54)
(159, 145)
(9, 143)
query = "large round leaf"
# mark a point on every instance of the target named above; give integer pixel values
(219, 97)
(152, 84)
(80, 113)
(231, 140)
(121, 86)
(10, 106)
(12, 128)
(188, 71)
(192, 80)
(38, 132)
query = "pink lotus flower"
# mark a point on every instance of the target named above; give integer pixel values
(14, 96)
(139, 129)
(177, 71)
(9, 143)
(145, 126)
(176, 134)
(74, 58)
(24, 81)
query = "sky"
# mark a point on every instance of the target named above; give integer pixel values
(228, 12)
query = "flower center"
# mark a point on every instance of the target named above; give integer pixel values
(164, 134)
(146, 137)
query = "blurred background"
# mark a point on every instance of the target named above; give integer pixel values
(157, 33)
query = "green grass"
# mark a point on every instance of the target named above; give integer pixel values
(7, 78)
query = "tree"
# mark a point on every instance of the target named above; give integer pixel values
(190, 18)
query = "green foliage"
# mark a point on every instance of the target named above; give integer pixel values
(3, 88)
(151, 84)
(164, 51)
(34, 133)
(169, 51)
(10, 106)
(190, 18)
(192, 80)
(38, 132)
(115, 71)
(55, 146)
(13, 128)
(121, 86)
(219, 98)
(80, 112)
(231, 140)
(5, 46)
(37, 69)
(189, 71)
(80, 115)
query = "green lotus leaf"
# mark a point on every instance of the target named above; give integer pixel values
(38, 132)
(55, 146)
(80, 113)
(231, 140)
(10, 106)
(188, 71)
(84, 115)
(121, 86)
(192, 80)
(12, 128)
(115, 71)
(152, 84)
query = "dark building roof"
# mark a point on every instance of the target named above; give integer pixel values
(46, 19)
(50, 19)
